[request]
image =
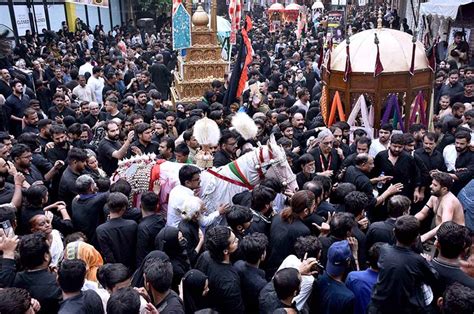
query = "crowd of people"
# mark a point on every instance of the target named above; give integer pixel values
(380, 224)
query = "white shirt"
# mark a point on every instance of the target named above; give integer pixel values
(84, 93)
(177, 197)
(57, 248)
(96, 85)
(86, 67)
(450, 154)
(376, 147)
(306, 286)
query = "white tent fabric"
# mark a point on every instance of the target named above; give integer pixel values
(443, 8)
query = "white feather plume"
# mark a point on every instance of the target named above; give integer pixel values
(206, 132)
(244, 125)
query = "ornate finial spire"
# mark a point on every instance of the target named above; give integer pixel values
(379, 20)
(348, 40)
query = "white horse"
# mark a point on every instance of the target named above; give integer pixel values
(218, 185)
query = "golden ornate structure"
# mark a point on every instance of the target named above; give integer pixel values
(203, 62)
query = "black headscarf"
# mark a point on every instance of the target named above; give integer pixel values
(137, 279)
(194, 282)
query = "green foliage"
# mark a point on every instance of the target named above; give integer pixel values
(154, 5)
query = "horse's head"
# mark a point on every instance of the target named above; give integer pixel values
(272, 163)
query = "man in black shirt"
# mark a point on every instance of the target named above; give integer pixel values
(149, 226)
(145, 83)
(87, 208)
(358, 175)
(402, 273)
(71, 277)
(252, 247)
(31, 121)
(77, 159)
(468, 95)
(158, 277)
(401, 167)
(16, 103)
(464, 162)
(36, 278)
(451, 243)
(95, 116)
(117, 237)
(225, 293)
(59, 110)
(110, 149)
(143, 107)
(382, 231)
(144, 144)
(227, 149)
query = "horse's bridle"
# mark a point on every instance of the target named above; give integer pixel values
(264, 165)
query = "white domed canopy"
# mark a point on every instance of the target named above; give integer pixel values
(318, 5)
(292, 7)
(395, 52)
(276, 7)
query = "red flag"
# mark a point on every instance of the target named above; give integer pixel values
(412, 65)
(348, 69)
(378, 64)
(248, 56)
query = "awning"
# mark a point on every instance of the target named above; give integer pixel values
(443, 8)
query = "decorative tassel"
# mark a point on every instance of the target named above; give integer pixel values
(378, 64)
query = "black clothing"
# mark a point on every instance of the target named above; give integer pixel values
(32, 175)
(464, 160)
(54, 112)
(431, 162)
(16, 106)
(399, 285)
(87, 214)
(147, 88)
(6, 194)
(152, 147)
(252, 280)
(57, 153)
(462, 98)
(362, 183)
(104, 155)
(268, 300)
(117, 241)
(381, 231)
(86, 302)
(333, 162)
(167, 241)
(333, 296)
(118, 115)
(171, 304)
(146, 111)
(67, 187)
(41, 285)
(30, 128)
(222, 158)
(404, 171)
(301, 179)
(448, 274)
(283, 237)
(225, 295)
(5, 89)
(147, 231)
(324, 208)
(91, 120)
(260, 223)
(54, 83)
(190, 231)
